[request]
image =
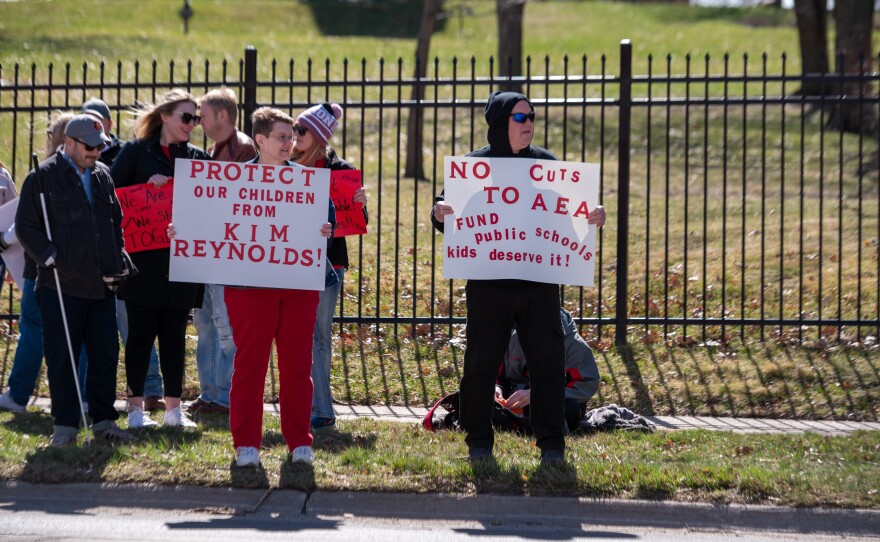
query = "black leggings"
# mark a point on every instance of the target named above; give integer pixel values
(145, 324)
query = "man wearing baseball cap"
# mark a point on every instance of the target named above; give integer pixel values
(98, 109)
(83, 244)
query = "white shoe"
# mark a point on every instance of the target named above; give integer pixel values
(176, 418)
(137, 419)
(8, 403)
(247, 456)
(302, 454)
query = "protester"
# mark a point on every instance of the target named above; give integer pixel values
(29, 351)
(216, 349)
(15, 398)
(311, 133)
(153, 384)
(55, 132)
(99, 108)
(494, 307)
(261, 315)
(513, 389)
(156, 306)
(86, 257)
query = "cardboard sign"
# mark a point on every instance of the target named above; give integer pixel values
(13, 256)
(517, 218)
(146, 213)
(249, 224)
(349, 215)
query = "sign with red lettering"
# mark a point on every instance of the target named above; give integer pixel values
(516, 218)
(146, 213)
(349, 215)
(249, 224)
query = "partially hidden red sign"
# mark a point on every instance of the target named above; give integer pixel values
(146, 213)
(349, 214)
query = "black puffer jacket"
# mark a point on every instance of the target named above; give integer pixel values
(139, 160)
(338, 251)
(87, 239)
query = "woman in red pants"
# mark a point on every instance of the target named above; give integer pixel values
(260, 315)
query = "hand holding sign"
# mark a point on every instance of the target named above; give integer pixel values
(349, 199)
(146, 213)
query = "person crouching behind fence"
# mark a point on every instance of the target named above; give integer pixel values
(85, 247)
(261, 315)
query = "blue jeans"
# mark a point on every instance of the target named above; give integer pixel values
(29, 353)
(153, 384)
(322, 349)
(215, 349)
(92, 324)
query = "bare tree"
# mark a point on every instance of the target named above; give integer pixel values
(415, 122)
(812, 23)
(854, 56)
(510, 39)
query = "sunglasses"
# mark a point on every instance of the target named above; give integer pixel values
(300, 130)
(188, 117)
(520, 118)
(89, 148)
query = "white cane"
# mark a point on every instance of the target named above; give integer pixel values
(82, 409)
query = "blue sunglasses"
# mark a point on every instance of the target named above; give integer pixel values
(520, 118)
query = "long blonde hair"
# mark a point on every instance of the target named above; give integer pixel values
(55, 131)
(311, 156)
(149, 117)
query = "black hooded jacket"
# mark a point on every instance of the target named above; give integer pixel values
(497, 114)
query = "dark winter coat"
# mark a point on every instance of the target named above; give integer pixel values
(139, 160)
(87, 241)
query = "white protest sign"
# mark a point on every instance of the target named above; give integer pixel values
(13, 256)
(516, 218)
(249, 224)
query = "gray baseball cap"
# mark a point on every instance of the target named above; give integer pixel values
(98, 106)
(86, 129)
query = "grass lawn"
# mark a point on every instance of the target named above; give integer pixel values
(787, 200)
(366, 455)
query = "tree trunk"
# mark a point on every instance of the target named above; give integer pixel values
(415, 122)
(812, 23)
(854, 56)
(510, 38)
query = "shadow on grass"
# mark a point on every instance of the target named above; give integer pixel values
(30, 423)
(82, 463)
(299, 476)
(248, 477)
(389, 18)
(558, 479)
(335, 441)
(644, 403)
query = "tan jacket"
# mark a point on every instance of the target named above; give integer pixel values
(238, 148)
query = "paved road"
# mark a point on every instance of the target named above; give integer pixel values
(92, 512)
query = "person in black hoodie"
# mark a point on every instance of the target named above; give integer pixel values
(495, 306)
(157, 306)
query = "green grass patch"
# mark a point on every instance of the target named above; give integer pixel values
(368, 455)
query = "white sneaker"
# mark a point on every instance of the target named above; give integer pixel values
(8, 403)
(247, 456)
(302, 454)
(137, 419)
(176, 418)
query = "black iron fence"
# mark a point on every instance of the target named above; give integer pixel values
(734, 212)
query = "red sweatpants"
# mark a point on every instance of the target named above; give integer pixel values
(258, 316)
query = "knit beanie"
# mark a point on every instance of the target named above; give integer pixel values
(321, 120)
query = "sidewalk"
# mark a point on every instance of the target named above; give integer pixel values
(415, 415)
